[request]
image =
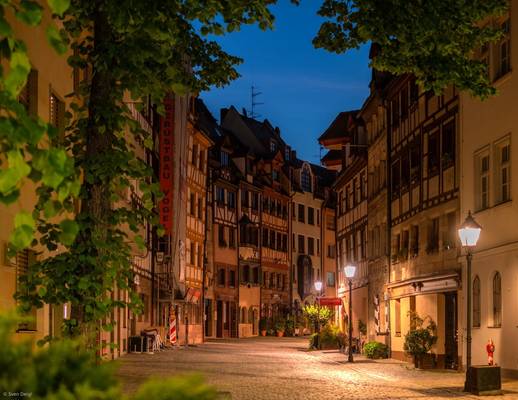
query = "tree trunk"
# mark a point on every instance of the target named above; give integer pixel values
(96, 205)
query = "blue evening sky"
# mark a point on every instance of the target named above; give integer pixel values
(303, 88)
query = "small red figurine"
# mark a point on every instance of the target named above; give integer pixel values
(490, 348)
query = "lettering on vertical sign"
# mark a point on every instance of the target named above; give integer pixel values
(166, 142)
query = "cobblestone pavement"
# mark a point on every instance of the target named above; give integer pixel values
(282, 368)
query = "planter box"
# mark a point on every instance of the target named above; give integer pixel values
(484, 380)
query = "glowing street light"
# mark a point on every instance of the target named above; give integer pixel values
(469, 232)
(350, 271)
(318, 288)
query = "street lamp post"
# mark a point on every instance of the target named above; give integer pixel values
(318, 288)
(349, 271)
(469, 233)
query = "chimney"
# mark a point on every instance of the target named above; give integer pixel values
(293, 155)
(244, 112)
(277, 131)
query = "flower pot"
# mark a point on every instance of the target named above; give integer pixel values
(263, 333)
(280, 333)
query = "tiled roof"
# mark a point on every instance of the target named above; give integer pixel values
(339, 127)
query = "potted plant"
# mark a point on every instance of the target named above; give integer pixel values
(263, 326)
(289, 329)
(280, 326)
(420, 339)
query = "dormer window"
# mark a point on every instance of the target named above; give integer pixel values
(224, 158)
(305, 179)
(287, 152)
(273, 146)
(275, 175)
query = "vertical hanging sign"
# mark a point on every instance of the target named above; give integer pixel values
(166, 144)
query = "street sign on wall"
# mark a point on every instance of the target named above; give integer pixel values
(166, 171)
(329, 301)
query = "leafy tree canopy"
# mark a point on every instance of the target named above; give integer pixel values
(433, 39)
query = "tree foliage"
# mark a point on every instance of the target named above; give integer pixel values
(435, 40)
(316, 314)
(140, 50)
(65, 371)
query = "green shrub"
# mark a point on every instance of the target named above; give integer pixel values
(63, 370)
(376, 350)
(263, 324)
(280, 325)
(289, 329)
(330, 337)
(420, 339)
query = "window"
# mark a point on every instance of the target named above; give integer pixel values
(265, 279)
(503, 171)
(275, 175)
(272, 240)
(433, 153)
(287, 153)
(311, 216)
(318, 247)
(200, 256)
(223, 158)
(448, 145)
(200, 208)
(194, 155)
(279, 241)
(273, 146)
(29, 94)
(284, 242)
(301, 244)
(301, 213)
(57, 112)
(476, 302)
(318, 217)
(202, 160)
(482, 180)
(330, 279)
(255, 201)
(231, 237)
(193, 254)
(363, 185)
(232, 278)
(397, 316)
(311, 246)
(255, 275)
(192, 204)
(246, 273)
(414, 241)
(221, 236)
(221, 277)
(504, 50)
(305, 179)
(497, 300)
(231, 200)
(415, 163)
(24, 259)
(220, 196)
(331, 251)
(396, 178)
(265, 237)
(405, 171)
(433, 236)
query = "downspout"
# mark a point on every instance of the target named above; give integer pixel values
(388, 242)
(205, 258)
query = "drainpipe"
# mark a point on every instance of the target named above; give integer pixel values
(388, 243)
(205, 258)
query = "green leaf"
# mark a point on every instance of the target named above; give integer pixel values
(42, 291)
(18, 169)
(69, 231)
(55, 40)
(29, 13)
(59, 6)
(18, 73)
(140, 242)
(23, 233)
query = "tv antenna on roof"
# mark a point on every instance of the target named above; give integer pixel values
(254, 103)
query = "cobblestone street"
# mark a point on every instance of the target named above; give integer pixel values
(273, 368)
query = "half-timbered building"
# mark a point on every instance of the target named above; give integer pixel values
(424, 274)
